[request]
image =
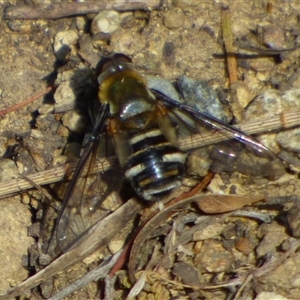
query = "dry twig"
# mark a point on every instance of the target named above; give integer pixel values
(61, 10)
(97, 236)
(99, 272)
(228, 43)
(27, 101)
(282, 121)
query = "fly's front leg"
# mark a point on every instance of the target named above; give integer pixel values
(120, 140)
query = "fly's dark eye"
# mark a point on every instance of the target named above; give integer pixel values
(120, 57)
(112, 64)
(103, 65)
(116, 59)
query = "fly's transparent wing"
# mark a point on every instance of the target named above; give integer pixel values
(83, 203)
(232, 150)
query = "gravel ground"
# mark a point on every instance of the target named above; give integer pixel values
(249, 255)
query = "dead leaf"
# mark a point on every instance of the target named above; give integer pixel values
(214, 204)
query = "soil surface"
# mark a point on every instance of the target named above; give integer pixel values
(244, 248)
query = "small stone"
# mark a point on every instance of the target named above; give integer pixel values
(263, 76)
(36, 134)
(115, 246)
(46, 109)
(173, 19)
(8, 169)
(209, 232)
(63, 43)
(3, 122)
(213, 257)
(198, 23)
(162, 85)
(269, 296)
(268, 104)
(272, 35)
(81, 22)
(289, 140)
(199, 95)
(198, 246)
(25, 199)
(125, 42)
(63, 131)
(293, 219)
(45, 259)
(273, 237)
(75, 121)
(64, 97)
(20, 26)
(74, 89)
(34, 203)
(47, 288)
(34, 230)
(14, 219)
(244, 245)
(240, 98)
(296, 281)
(262, 64)
(188, 274)
(105, 21)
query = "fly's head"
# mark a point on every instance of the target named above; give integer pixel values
(123, 88)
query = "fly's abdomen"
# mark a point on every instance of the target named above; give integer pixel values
(155, 167)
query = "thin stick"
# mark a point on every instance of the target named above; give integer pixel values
(97, 236)
(27, 101)
(228, 43)
(99, 272)
(61, 10)
(282, 121)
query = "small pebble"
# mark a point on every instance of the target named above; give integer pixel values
(269, 296)
(106, 21)
(289, 140)
(213, 257)
(188, 274)
(46, 109)
(162, 85)
(244, 245)
(8, 169)
(272, 35)
(209, 232)
(293, 220)
(36, 134)
(296, 281)
(173, 19)
(240, 98)
(14, 219)
(273, 237)
(115, 246)
(75, 121)
(199, 95)
(63, 131)
(269, 104)
(64, 41)
(45, 259)
(64, 97)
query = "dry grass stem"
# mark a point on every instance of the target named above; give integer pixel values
(282, 121)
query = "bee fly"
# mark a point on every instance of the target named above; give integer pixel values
(144, 127)
(144, 138)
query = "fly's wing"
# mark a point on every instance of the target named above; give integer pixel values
(227, 148)
(83, 203)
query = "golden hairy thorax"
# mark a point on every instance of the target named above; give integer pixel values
(122, 86)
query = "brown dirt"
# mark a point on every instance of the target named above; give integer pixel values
(235, 252)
